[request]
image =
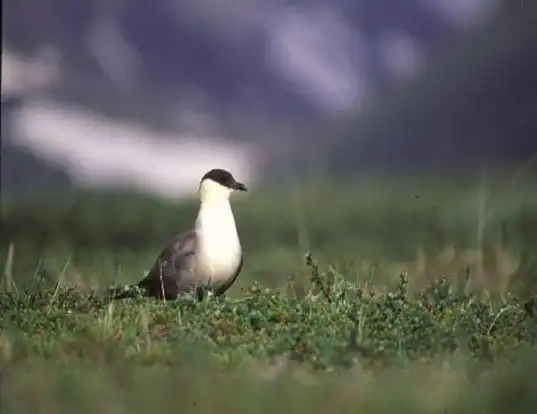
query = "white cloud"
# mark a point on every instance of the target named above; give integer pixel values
(117, 57)
(23, 74)
(401, 53)
(462, 13)
(315, 49)
(232, 20)
(97, 151)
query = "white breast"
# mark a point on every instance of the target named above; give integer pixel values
(218, 248)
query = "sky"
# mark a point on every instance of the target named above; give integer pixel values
(315, 49)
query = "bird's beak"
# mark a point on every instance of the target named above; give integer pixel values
(239, 186)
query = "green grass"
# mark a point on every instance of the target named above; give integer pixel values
(420, 297)
(342, 345)
(377, 228)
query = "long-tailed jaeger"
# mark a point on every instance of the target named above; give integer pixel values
(208, 256)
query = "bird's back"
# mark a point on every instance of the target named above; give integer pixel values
(173, 272)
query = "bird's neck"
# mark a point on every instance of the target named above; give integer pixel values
(216, 216)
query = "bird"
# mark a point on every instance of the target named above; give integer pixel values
(209, 256)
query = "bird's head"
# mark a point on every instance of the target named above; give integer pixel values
(218, 184)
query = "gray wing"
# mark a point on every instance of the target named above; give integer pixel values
(172, 272)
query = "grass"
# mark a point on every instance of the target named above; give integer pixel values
(341, 345)
(374, 228)
(411, 302)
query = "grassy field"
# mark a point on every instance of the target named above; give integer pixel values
(418, 296)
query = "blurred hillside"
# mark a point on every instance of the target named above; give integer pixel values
(373, 84)
(475, 103)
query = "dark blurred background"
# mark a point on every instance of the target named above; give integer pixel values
(149, 95)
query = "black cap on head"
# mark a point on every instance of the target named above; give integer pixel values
(224, 178)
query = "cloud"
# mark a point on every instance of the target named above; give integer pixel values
(117, 57)
(462, 13)
(401, 53)
(232, 20)
(97, 151)
(315, 50)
